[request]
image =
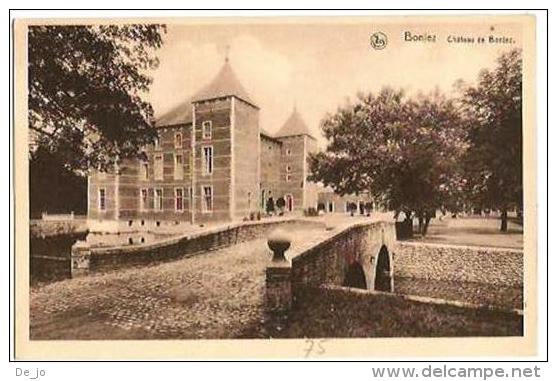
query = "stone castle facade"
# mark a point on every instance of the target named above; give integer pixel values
(212, 162)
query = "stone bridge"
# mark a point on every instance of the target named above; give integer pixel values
(221, 283)
(358, 255)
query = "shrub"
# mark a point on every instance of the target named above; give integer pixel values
(352, 207)
(369, 208)
(270, 206)
(311, 212)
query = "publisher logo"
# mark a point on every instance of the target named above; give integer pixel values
(378, 40)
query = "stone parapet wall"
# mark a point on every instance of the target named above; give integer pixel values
(497, 266)
(327, 261)
(104, 259)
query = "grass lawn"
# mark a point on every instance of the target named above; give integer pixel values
(473, 231)
(333, 313)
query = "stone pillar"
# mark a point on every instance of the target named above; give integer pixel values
(80, 259)
(278, 294)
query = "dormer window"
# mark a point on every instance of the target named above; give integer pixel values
(207, 129)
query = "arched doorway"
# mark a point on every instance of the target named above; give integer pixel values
(354, 276)
(289, 202)
(383, 280)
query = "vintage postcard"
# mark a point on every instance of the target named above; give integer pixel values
(275, 187)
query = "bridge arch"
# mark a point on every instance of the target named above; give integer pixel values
(383, 271)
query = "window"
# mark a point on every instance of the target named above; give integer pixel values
(179, 199)
(178, 167)
(288, 152)
(207, 199)
(288, 177)
(158, 167)
(208, 160)
(157, 143)
(207, 129)
(178, 140)
(288, 169)
(249, 200)
(143, 194)
(144, 171)
(158, 199)
(102, 199)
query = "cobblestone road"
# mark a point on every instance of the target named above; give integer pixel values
(214, 295)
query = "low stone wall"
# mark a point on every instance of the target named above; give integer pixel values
(496, 266)
(45, 268)
(87, 259)
(49, 228)
(50, 255)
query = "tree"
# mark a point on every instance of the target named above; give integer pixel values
(404, 151)
(494, 158)
(53, 188)
(85, 91)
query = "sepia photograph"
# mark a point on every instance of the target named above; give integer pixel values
(273, 183)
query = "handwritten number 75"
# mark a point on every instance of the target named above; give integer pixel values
(314, 347)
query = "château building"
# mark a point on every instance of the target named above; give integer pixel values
(212, 162)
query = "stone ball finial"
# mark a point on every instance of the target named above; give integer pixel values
(278, 241)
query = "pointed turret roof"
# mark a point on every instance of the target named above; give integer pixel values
(294, 125)
(225, 84)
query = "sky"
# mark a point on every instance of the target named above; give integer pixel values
(320, 64)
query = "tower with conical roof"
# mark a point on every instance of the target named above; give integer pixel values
(208, 164)
(225, 126)
(297, 144)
